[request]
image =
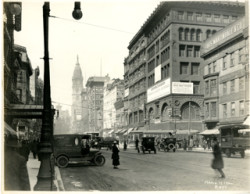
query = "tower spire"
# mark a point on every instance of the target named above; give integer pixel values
(77, 59)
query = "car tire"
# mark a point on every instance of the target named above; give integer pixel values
(99, 160)
(62, 161)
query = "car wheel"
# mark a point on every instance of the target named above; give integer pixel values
(155, 151)
(242, 153)
(62, 161)
(99, 160)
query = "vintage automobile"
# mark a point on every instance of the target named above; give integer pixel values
(105, 142)
(147, 144)
(68, 148)
(168, 144)
(234, 139)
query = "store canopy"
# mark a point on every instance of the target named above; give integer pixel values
(210, 132)
(158, 131)
(191, 131)
(111, 131)
(118, 130)
(244, 130)
(247, 121)
(8, 130)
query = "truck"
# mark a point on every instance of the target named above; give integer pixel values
(234, 139)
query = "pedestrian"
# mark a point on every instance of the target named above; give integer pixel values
(136, 143)
(185, 144)
(217, 162)
(191, 143)
(34, 148)
(24, 150)
(204, 144)
(125, 145)
(115, 155)
(16, 176)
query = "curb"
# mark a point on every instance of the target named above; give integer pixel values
(58, 180)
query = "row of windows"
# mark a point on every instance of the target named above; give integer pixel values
(211, 87)
(137, 74)
(210, 110)
(190, 35)
(189, 51)
(189, 68)
(230, 86)
(138, 86)
(205, 17)
(233, 109)
(138, 100)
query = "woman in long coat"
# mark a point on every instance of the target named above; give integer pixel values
(217, 162)
(115, 155)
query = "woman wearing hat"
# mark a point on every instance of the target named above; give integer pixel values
(217, 162)
(115, 155)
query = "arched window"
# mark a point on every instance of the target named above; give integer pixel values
(192, 35)
(194, 111)
(151, 115)
(187, 35)
(198, 35)
(214, 31)
(209, 34)
(164, 112)
(181, 34)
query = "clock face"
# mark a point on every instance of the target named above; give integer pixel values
(177, 103)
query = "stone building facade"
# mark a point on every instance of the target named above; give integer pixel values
(167, 49)
(226, 75)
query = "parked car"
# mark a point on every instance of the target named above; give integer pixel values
(234, 139)
(105, 142)
(68, 148)
(170, 144)
(148, 144)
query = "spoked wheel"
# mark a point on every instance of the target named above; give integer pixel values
(62, 161)
(99, 160)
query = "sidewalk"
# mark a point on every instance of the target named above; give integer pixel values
(33, 166)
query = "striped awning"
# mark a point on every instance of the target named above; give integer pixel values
(111, 131)
(210, 132)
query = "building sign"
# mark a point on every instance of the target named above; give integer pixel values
(158, 73)
(182, 88)
(158, 90)
(126, 92)
(225, 34)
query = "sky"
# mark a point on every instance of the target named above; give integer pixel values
(100, 39)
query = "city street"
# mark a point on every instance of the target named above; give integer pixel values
(164, 171)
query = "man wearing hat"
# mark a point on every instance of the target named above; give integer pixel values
(15, 170)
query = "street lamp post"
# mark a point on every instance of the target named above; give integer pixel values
(45, 175)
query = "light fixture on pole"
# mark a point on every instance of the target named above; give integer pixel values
(45, 177)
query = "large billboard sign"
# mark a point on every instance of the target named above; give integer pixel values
(158, 90)
(182, 88)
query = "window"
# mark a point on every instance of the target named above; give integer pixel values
(207, 87)
(225, 88)
(207, 110)
(198, 35)
(135, 117)
(242, 108)
(213, 109)
(196, 86)
(181, 34)
(190, 16)
(195, 68)
(232, 89)
(151, 65)
(209, 68)
(198, 17)
(164, 72)
(216, 18)
(213, 87)
(208, 17)
(182, 51)
(241, 55)
(234, 18)
(241, 83)
(180, 15)
(224, 110)
(232, 109)
(226, 19)
(187, 35)
(209, 33)
(224, 62)
(165, 55)
(196, 51)
(214, 66)
(192, 38)
(189, 51)
(232, 60)
(184, 68)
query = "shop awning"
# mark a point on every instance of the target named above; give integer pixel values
(244, 130)
(210, 132)
(118, 130)
(111, 131)
(158, 131)
(138, 130)
(128, 131)
(191, 131)
(8, 130)
(247, 121)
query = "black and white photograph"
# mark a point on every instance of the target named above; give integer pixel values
(125, 96)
